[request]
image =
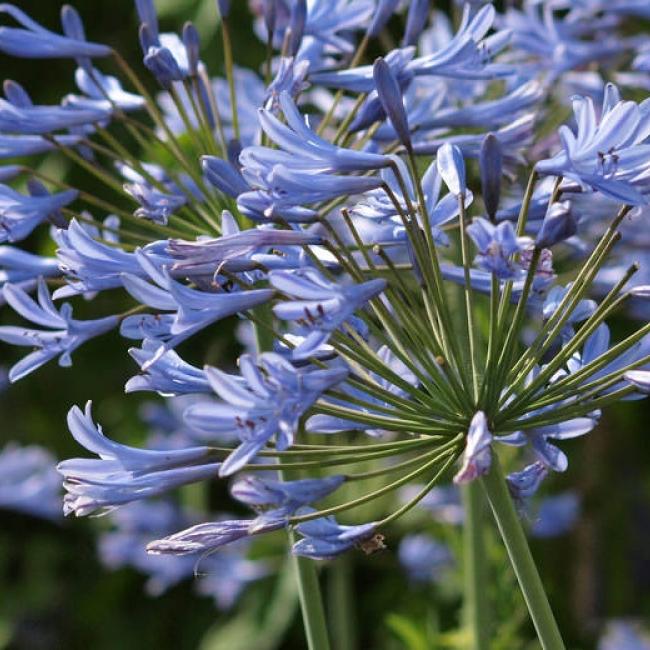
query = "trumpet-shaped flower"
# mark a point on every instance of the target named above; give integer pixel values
(267, 401)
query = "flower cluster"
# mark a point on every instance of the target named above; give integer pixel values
(393, 327)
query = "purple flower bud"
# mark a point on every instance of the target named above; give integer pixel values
(390, 96)
(192, 45)
(559, 224)
(224, 8)
(297, 25)
(490, 165)
(451, 167)
(382, 15)
(416, 21)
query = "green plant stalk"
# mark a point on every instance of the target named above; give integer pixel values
(341, 604)
(476, 606)
(521, 558)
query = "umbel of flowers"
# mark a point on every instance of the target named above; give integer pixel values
(367, 221)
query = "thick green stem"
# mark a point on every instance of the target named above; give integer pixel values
(341, 604)
(311, 602)
(476, 612)
(521, 558)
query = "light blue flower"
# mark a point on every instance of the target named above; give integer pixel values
(18, 266)
(20, 214)
(62, 336)
(496, 246)
(19, 115)
(324, 538)
(318, 305)
(29, 481)
(423, 558)
(556, 515)
(35, 42)
(608, 155)
(123, 474)
(268, 400)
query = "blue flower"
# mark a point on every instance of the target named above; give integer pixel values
(123, 474)
(468, 54)
(423, 558)
(18, 266)
(318, 305)
(324, 538)
(525, 483)
(496, 245)
(233, 252)
(477, 457)
(267, 401)
(556, 515)
(607, 155)
(170, 375)
(35, 42)
(18, 146)
(278, 500)
(19, 115)
(155, 205)
(29, 482)
(103, 92)
(20, 214)
(207, 537)
(63, 336)
(558, 225)
(91, 265)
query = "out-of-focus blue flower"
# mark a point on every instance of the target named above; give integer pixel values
(497, 245)
(477, 457)
(318, 305)
(556, 515)
(268, 401)
(20, 214)
(29, 481)
(324, 538)
(423, 558)
(555, 46)
(19, 115)
(640, 378)
(17, 146)
(103, 92)
(63, 336)
(468, 55)
(35, 42)
(624, 635)
(443, 502)
(416, 21)
(222, 576)
(607, 155)
(123, 474)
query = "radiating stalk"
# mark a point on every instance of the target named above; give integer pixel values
(521, 558)
(341, 604)
(476, 610)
